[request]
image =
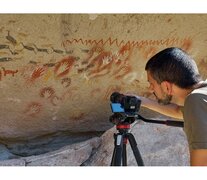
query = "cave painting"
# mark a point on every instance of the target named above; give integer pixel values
(102, 58)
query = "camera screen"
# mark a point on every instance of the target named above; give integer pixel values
(116, 108)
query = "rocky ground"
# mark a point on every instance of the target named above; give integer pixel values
(159, 145)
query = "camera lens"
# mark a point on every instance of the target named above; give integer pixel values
(116, 97)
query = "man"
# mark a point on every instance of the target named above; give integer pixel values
(181, 93)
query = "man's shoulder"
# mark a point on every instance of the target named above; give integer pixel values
(201, 90)
(197, 95)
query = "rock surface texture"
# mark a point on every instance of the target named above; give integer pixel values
(159, 146)
(57, 71)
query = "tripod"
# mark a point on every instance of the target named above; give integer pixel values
(120, 141)
(119, 157)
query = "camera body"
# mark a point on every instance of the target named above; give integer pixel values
(124, 104)
(125, 108)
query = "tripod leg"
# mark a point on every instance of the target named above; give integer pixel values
(112, 160)
(124, 155)
(135, 149)
(118, 150)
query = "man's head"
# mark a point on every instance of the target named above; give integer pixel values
(171, 66)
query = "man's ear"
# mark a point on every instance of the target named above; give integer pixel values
(167, 87)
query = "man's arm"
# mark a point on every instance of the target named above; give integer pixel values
(171, 110)
(198, 157)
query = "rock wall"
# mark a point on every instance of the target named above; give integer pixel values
(57, 71)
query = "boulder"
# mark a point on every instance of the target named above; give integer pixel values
(72, 155)
(159, 145)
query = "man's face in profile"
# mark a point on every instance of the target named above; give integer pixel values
(156, 89)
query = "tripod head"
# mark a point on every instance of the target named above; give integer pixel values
(122, 121)
(121, 118)
(125, 119)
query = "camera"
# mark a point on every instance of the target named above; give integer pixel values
(124, 104)
(125, 108)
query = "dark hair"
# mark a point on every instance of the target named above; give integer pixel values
(174, 65)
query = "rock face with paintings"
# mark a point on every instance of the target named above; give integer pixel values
(57, 72)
